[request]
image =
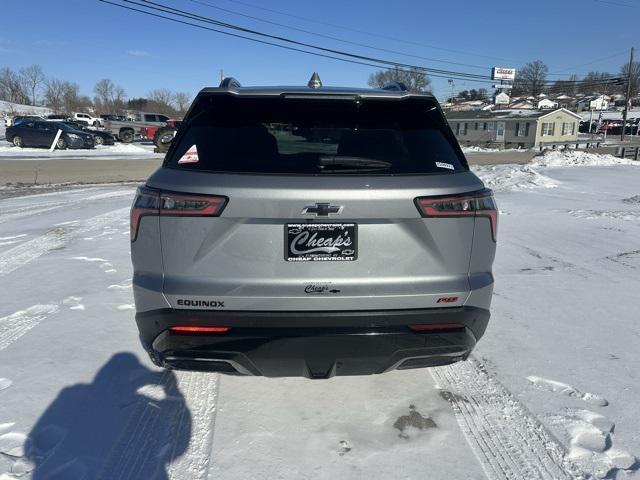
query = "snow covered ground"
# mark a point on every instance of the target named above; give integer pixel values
(10, 109)
(124, 151)
(551, 392)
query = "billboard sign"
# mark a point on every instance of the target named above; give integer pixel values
(502, 73)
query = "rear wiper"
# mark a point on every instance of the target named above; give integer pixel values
(358, 163)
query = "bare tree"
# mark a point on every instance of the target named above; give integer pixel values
(161, 95)
(589, 83)
(71, 98)
(161, 99)
(119, 98)
(54, 94)
(415, 80)
(11, 87)
(635, 77)
(32, 77)
(530, 80)
(104, 92)
(181, 100)
(566, 87)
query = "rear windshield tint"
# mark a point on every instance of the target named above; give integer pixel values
(314, 136)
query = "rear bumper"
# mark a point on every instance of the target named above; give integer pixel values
(310, 344)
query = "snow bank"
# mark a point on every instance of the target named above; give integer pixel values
(512, 177)
(569, 158)
(119, 150)
(475, 149)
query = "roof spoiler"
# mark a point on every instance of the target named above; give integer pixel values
(395, 86)
(229, 82)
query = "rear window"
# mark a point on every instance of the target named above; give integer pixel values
(315, 136)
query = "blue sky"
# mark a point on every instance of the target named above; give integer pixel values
(86, 40)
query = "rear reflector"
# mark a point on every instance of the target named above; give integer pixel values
(196, 329)
(435, 327)
(474, 204)
(154, 202)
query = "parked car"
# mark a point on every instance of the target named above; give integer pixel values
(258, 252)
(24, 118)
(100, 137)
(59, 117)
(42, 134)
(85, 117)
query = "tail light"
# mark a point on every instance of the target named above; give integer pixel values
(193, 329)
(150, 202)
(474, 204)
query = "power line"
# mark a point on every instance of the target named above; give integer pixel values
(337, 39)
(619, 54)
(157, 7)
(317, 54)
(330, 53)
(364, 32)
(385, 37)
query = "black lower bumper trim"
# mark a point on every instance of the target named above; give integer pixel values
(310, 344)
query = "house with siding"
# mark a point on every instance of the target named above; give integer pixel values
(514, 128)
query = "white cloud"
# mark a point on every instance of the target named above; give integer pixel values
(137, 53)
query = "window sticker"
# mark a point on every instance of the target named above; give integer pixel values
(448, 166)
(191, 156)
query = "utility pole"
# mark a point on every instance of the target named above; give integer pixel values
(628, 96)
(221, 75)
(453, 87)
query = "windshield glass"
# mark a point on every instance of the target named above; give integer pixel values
(313, 136)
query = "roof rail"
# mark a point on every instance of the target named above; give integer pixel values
(229, 82)
(395, 86)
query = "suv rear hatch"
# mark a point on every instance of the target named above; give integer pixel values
(311, 203)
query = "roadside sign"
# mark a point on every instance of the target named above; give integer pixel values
(502, 73)
(502, 99)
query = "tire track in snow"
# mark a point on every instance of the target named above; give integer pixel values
(56, 238)
(155, 436)
(29, 210)
(507, 440)
(13, 326)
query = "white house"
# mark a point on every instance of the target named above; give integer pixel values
(546, 104)
(593, 102)
(600, 102)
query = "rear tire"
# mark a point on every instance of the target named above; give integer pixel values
(126, 136)
(17, 141)
(163, 138)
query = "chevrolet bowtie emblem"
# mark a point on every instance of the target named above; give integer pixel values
(322, 209)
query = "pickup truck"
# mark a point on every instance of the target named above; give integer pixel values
(85, 117)
(125, 131)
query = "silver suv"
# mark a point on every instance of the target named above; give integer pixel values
(312, 231)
